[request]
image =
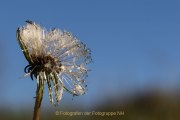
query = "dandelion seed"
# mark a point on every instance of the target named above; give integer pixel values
(56, 58)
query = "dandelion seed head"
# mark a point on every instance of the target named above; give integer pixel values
(56, 57)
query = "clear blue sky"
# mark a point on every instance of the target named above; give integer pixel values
(135, 45)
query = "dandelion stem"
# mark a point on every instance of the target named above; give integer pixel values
(39, 96)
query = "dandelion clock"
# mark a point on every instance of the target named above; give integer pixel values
(55, 58)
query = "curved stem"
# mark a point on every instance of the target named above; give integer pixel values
(39, 96)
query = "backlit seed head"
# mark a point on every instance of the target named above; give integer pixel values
(55, 57)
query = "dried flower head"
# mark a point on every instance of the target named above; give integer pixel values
(55, 57)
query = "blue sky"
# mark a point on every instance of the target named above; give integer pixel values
(135, 45)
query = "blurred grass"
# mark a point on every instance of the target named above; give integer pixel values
(146, 106)
(154, 106)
